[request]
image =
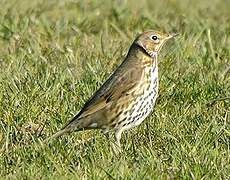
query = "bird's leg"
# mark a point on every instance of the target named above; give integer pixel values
(118, 138)
(109, 137)
(117, 145)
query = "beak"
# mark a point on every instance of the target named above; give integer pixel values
(172, 35)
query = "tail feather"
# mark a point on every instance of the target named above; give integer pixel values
(56, 135)
(73, 125)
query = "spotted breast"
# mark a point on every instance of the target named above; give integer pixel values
(144, 103)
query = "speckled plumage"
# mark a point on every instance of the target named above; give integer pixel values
(129, 95)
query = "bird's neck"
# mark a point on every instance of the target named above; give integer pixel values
(141, 57)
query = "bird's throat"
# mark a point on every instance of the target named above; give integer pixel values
(150, 53)
(147, 60)
(139, 57)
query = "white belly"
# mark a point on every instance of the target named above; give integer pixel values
(145, 103)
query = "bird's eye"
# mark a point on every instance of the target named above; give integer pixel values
(154, 37)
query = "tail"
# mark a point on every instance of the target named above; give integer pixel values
(56, 135)
(73, 125)
(69, 127)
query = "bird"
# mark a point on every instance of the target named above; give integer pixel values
(128, 96)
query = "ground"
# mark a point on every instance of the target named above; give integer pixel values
(55, 54)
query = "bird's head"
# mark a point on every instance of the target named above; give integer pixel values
(152, 41)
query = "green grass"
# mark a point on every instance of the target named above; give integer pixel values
(55, 54)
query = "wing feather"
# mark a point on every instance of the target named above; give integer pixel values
(118, 85)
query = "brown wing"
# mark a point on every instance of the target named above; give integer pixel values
(120, 84)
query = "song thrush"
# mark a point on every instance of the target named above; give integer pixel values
(129, 94)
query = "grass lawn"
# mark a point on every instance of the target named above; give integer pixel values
(55, 54)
